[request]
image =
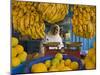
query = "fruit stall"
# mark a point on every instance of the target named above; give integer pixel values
(31, 21)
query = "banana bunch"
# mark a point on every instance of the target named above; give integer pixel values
(52, 13)
(84, 21)
(27, 20)
(90, 59)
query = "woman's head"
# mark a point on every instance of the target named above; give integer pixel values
(55, 29)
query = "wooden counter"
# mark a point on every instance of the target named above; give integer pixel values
(67, 51)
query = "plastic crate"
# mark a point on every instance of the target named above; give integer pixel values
(18, 70)
(43, 59)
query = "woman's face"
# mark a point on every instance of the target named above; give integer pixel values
(55, 30)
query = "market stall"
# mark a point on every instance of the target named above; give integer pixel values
(30, 24)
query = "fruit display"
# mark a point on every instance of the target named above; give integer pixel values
(84, 21)
(74, 65)
(59, 56)
(26, 20)
(55, 64)
(48, 63)
(15, 62)
(53, 13)
(18, 54)
(31, 24)
(28, 17)
(90, 59)
(14, 41)
(40, 67)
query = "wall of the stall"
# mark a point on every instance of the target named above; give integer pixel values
(86, 43)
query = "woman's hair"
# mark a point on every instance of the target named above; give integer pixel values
(53, 27)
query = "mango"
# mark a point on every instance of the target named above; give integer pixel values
(40, 67)
(15, 62)
(74, 65)
(22, 56)
(54, 62)
(14, 52)
(53, 69)
(59, 56)
(48, 63)
(14, 41)
(68, 62)
(19, 49)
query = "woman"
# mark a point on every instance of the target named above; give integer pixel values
(53, 36)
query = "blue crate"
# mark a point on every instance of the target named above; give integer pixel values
(18, 70)
(43, 59)
(22, 69)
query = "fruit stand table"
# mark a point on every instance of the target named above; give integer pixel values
(73, 48)
(66, 51)
(51, 48)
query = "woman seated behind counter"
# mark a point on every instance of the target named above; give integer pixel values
(53, 36)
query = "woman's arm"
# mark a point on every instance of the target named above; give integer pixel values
(61, 43)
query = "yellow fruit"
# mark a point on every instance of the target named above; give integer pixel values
(48, 63)
(22, 56)
(60, 66)
(94, 59)
(94, 44)
(82, 24)
(74, 65)
(90, 62)
(68, 62)
(53, 69)
(59, 56)
(50, 11)
(89, 65)
(87, 58)
(36, 55)
(62, 61)
(54, 62)
(27, 20)
(40, 67)
(91, 52)
(19, 49)
(14, 41)
(14, 52)
(66, 69)
(15, 62)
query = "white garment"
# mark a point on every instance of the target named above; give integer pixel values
(52, 38)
